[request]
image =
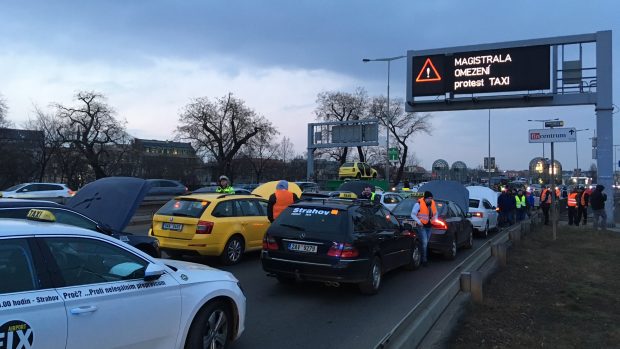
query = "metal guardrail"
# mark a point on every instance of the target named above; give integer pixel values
(412, 329)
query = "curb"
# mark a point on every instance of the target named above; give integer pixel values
(431, 321)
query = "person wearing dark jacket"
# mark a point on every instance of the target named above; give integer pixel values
(280, 200)
(597, 202)
(503, 202)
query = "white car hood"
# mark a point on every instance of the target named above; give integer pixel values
(198, 272)
(480, 192)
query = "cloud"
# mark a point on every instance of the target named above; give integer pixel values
(151, 96)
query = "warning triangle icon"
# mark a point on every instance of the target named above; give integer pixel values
(428, 72)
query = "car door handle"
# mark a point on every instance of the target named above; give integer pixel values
(84, 310)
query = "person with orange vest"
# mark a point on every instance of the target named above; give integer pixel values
(572, 208)
(584, 201)
(424, 212)
(280, 200)
(545, 203)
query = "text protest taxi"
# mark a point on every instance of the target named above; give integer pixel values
(68, 287)
(211, 225)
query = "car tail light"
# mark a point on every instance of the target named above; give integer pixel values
(342, 250)
(70, 192)
(269, 243)
(439, 224)
(204, 227)
(477, 214)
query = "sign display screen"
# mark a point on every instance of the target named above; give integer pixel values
(500, 70)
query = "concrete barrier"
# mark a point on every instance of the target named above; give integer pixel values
(433, 318)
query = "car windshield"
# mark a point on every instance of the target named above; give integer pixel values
(473, 203)
(314, 220)
(184, 208)
(13, 188)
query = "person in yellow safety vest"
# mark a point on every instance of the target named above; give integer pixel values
(521, 205)
(572, 208)
(280, 200)
(545, 203)
(424, 212)
(224, 187)
(369, 194)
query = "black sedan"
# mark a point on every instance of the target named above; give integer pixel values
(450, 230)
(338, 241)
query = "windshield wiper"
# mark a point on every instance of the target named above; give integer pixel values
(292, 226)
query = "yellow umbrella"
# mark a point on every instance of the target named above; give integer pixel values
(265, 190)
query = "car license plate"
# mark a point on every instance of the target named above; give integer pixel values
(302, 247)
(172, 226)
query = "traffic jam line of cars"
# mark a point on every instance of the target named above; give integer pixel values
(71, 270)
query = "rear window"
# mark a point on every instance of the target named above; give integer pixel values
(320, 221)
(347, 164)
(184, 208)
(473, 203)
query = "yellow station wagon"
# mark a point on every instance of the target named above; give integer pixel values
(211, 225)
(357, 170)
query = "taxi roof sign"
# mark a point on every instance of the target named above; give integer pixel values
(41, 215)
(347, 196)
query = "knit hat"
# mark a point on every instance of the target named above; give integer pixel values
(428, 194)
(282, 185)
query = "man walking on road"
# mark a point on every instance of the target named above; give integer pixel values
(424, 211)
(573, 218)
(521, 205)
(584, 201)
(545, 203)
(280, 200)
(597, 201)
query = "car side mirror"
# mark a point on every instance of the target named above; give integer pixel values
(153, 272)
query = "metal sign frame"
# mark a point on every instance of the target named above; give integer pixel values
(601, 96)
(365, 126)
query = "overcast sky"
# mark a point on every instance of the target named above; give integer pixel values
(151, 57)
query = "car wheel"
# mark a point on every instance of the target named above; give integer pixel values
(232, 251)
(416, 257)
(358, 176)
(371, 286)
(374, 176)
(451, 253)
(211, 328)
(470, 240)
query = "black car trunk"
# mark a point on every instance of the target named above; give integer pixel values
(308, 234)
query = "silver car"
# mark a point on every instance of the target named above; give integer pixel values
(37, 191)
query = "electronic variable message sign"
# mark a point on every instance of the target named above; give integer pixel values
(488, 71)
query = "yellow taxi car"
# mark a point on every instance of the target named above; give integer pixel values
(211, 224)
(356, 170)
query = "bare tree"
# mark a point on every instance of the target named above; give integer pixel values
(51, 142)
(4, 122)
(91, 127)
(220, 128)
(259, 152)
(401, 125)
(342, 106)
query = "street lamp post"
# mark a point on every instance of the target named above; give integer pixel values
(543, 125)
(387, 137)
(576, 147)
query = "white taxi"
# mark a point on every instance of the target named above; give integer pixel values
(66, 287)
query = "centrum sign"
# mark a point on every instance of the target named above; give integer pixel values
(552, 135)
(501, 70)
